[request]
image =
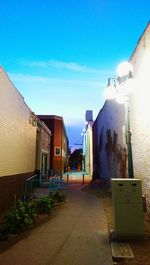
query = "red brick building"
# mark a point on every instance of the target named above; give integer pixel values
(59, 142)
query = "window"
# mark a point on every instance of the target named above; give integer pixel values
(57, 151)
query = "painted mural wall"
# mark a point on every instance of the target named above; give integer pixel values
(109, 144)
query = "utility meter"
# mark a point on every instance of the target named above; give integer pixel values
(127, 206)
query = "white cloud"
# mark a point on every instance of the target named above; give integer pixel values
(69, 98)
(62, 97)
(72, 66)
(50, 81)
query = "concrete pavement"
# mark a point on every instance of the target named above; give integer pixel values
(88, 242)
(75, 234)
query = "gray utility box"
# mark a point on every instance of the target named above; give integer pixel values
(127, 206)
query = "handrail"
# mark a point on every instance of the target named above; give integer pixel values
(54, 181)
(29, 184)
(31, 177)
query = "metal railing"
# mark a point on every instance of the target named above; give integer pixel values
(55, 173)
(53, 182)
(30, 184)
(56, 183)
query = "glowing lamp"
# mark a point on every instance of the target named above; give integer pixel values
(124, 69)
(110, 92)
(120, 90)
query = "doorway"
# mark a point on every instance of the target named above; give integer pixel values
(44, 166)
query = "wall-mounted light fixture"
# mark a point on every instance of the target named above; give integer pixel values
(32, 119)
(120, 88)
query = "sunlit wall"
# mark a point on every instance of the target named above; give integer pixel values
(88, 149)
(17, 133)
(17, 142)
(140, 111)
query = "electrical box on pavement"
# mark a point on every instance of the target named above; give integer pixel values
(127, 207)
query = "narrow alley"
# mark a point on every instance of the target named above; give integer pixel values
(74, 234)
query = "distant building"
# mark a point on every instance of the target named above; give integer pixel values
(75, 160)
(17, 142)
(59, 142)
(42, 150)
(88, 143)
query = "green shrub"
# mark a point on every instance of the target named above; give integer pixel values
(20, 215)
(44, 205)
(57, 196)
(23, 213)
(4, 232)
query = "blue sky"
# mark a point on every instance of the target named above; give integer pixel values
(60, 53)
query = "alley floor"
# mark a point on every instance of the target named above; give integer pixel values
(74, 234)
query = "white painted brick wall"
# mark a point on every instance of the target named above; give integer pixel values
(140, 112)
(88, 148)
(17, 136)
(112, 117)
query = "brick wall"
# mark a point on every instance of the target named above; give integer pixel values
(64, 149)
(57, 160)
(58, 139)
(43, 144)
(45, 140)
(109, 133)
(140, 112)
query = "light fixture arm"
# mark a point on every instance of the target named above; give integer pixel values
(128, 141)
(117, 87)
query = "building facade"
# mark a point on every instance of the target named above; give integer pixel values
(59, 142)
(109, 144)
(140, 112)
(17, 142)
(109, 133)
(42, 150)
